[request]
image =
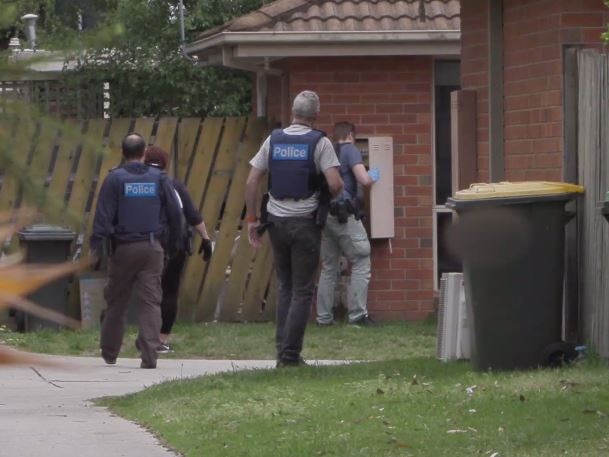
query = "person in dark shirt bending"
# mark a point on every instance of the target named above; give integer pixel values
(172, 275)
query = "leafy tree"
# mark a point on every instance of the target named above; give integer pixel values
(134, 45)
(148, 75)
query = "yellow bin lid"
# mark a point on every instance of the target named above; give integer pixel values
(481, 191)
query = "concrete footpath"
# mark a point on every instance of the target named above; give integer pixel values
(45, 411)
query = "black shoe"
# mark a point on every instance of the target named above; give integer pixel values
(109, 360)
(363, 321)
(325, 324)
(284, 363)
(164, 348)
(147, 365)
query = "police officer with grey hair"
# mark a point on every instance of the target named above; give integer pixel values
(301, 163)
(137, 216)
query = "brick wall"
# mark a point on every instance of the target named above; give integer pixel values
(386, 96)
(535, 32)
(474, 71)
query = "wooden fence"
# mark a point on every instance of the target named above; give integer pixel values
(593, 169)
(68, 160)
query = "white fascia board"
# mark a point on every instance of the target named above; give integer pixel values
(348, 49)
(328, 38)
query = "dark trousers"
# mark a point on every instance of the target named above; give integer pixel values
(296, 244)
(139, 266)
(170, 282)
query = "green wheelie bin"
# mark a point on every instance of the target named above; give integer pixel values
(46, 244)
(511, 238)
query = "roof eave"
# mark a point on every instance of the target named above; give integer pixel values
(330, 37)
(254, 51)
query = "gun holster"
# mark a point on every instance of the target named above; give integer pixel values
(189, 242)
(340, 209)
(104, 254)
(324, 205)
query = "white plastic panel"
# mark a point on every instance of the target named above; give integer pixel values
(382, 217)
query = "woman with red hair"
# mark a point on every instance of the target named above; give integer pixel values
(157, 157)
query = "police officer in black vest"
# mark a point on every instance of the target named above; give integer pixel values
(138, 216)
(300, 161)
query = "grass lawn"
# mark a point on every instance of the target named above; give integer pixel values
(249, 341)
(411, 407)
(404, 404)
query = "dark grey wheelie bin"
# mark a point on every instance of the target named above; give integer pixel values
(46, 244)
(511, 238)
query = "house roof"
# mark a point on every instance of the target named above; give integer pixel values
(309, 28)
(347, 15)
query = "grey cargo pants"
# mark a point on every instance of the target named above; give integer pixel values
(295, 242)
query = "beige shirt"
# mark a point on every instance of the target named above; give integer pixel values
(324, 158)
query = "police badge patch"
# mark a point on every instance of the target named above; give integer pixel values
(140, 189)
(290, 152)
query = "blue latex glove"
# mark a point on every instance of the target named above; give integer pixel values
(375, 174)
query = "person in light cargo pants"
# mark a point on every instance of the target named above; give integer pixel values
(344, 234)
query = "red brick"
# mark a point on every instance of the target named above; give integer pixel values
(390, 108)
(360, 109)
(521, 162)
(388, 295)
(548, 160)
(592, 36)
(378, 284)
(582, 20)
(345, 77)
(346, 98)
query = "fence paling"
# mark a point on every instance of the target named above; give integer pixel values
(593, 168)
(261, 272)
(144, 127)
(224, 168)
(242, 260)
(240, 267)
(71, 137)
(165, 133)
(197, 181)
(21, 144)
(84, 176)
(188, 130)
(39, 165)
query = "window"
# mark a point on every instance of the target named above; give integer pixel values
(446, 80)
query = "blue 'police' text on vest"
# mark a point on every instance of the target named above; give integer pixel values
(291, 152)
(140, 189)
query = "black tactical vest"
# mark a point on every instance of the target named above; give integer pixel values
(139, 203)
(292, 170)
